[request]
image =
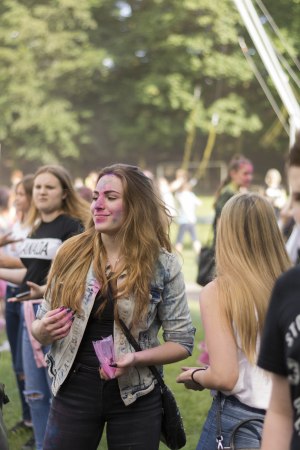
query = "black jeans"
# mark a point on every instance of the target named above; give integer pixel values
(85, 403)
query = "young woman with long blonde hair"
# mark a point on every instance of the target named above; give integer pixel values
(250, 255)
(127, 246)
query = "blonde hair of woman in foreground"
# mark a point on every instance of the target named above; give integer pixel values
(250, 255)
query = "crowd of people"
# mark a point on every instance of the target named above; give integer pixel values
(79, 261)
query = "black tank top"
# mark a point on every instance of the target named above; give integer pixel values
(96, 330)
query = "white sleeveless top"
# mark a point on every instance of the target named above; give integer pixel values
(253, 387)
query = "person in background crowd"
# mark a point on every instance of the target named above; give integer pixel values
(187, 218)
(5, 225)
(5, 202)
(274, 192)
(250, 255)
(291, 230)
(167, 196)
(293, 242)
(287, 221)
(15, 178)
(280, 347)
(239, 176)
(91, 180)
(149, 175)
(78, 183)
(126, 250)
(13, 311)
(57, 213)
(85, 193)
(181, 178)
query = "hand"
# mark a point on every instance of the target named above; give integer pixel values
(36, 291)
(124, 364)
(6, 239)
(55, 325)
(186, 378)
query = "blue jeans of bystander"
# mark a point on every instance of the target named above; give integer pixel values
(186, 227)
(37, 389)
(14, 330)
(232, 412)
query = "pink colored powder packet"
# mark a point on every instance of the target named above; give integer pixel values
(105, 352)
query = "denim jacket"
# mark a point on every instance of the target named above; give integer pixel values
(168, 308)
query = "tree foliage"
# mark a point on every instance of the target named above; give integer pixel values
(84, 79)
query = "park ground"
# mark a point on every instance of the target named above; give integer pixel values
(193, 406)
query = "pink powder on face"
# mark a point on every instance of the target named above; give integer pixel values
(247, 168)
(105, 209)
(246, 165)
(117, 214)
(100, 203)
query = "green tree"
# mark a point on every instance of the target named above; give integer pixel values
(81, 80)
(40, 45)
(160, 51)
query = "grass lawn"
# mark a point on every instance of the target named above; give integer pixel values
(193, 405)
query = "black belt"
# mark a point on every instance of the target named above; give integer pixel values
(78, 366)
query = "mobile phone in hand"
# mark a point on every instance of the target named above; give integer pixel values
(23, 294)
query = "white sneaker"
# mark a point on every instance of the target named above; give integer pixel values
(2, 324)
(5, 347)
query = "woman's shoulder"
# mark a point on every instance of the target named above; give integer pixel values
(69, 220)
(71, 226)
(226, 192)
(208, 294)
(165, 259)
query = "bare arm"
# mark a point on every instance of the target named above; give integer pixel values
(14, 276)
(176, 184)
(223, 372)
(8, 262)
(278, 427)
(167, 353)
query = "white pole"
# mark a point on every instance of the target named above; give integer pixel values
(282, 76)
(269, 58)
(293, 130)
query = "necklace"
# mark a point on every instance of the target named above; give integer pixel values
(116, 259)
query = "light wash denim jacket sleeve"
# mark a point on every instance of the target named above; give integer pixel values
(168, 308)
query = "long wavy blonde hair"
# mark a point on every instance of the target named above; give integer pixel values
(73, 205)
(144, 234)
(250, 255)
